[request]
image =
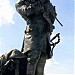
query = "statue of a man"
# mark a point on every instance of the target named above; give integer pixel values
(39, 27)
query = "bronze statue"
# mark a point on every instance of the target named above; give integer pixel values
(37, 45)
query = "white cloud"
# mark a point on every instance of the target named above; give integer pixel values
(0, 54)
(0, 41)
(6, 12)
(49, 66)
(54, 67)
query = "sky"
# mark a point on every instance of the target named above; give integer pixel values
(12, 28)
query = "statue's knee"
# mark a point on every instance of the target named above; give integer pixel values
(31, 66)
(33, 57)
(31, 61)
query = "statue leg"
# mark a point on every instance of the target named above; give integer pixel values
(33, 57)
(41, 64)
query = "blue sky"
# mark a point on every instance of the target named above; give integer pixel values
(12, 28)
